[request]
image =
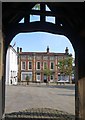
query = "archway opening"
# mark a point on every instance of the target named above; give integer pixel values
(37, 42)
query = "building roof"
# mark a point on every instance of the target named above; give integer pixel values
(42, 53)
(12, 49)
(47, 53)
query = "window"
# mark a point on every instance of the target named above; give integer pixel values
(60, 57)
(23, 56)
(38, 65)
(52, 65)
(36, 7)
(29, 57)
(23, 65)
(51, 77)
(34, 18)
(35, 15)
(38, 57)
(51, 58)
(29, 65)
(45, 57)
(50, 19)
(22, 20)
(47, 8)
(24, 74)
(45, 65)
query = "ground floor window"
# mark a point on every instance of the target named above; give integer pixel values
(25, 74)
(13, 77)
(63, 77)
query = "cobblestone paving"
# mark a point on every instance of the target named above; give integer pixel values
(40, 114)
(53, 102)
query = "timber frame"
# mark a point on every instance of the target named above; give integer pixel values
(70, 15)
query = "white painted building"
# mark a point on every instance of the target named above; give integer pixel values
(11, 66)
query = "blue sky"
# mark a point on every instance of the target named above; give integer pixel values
(38, 41)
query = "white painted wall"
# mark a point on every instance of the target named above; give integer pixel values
(11, 66)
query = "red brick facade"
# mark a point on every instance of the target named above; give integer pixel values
(32, 64)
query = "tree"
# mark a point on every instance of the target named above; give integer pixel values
(65, 66)
(27, 79)
(47, 71)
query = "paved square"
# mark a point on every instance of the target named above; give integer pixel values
(21, 97)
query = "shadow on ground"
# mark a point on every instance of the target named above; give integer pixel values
(67, 94)
(39, 114)
(61, 86)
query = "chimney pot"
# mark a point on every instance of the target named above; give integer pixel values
(20, 49)
(47, 49)
(17, 49)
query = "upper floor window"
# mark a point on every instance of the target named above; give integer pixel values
(60, 57)
(23, 56)
(23, 65)
(38, 65)
(52, 65)
(29, 65)
(29, 57)
(51, 58)
(45, 57)
(45, 65)
(38, 57)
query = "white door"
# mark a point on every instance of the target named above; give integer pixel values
(38, 77)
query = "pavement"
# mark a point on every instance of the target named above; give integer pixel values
(21, 97)
(39, 114)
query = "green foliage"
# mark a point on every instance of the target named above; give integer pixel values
(37, 6)
(65, 66)
(47, 71)
(27, 78)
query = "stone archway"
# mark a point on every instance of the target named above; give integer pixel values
(72, 29)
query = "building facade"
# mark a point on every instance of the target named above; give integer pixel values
(39, 66)
(11, 66)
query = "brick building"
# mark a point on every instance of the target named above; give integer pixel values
(33, 64)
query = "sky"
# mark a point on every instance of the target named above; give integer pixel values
(38, 41)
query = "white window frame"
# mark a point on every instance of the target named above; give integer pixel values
(28, 65)
(26, 74)
(37, 65)
(50, 66)
(21, 65)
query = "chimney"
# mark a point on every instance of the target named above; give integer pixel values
(47, 49)
(66, 50)
(17, 49)
(20, 49)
